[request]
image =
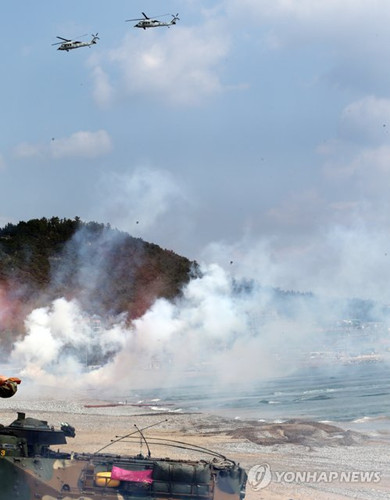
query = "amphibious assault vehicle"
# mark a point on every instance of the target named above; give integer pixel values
(30, 469)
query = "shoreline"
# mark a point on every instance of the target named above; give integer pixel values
(307, 460)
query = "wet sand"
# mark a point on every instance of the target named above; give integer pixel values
(307, 460)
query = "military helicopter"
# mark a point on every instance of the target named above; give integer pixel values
(68, 45)
(147, 22)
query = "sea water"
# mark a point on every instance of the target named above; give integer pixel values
(355, 394)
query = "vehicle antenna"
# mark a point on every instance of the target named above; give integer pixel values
(113, 441)
(143, 437)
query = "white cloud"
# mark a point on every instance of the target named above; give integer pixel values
(367, 119)
(322, 15)
(26, 150)
(82, 144)
(306, 9)
(368, 172)
(103, 91)
(359, 159)
(180, 66)
(353, 32)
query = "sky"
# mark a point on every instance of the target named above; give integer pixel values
(253, 134)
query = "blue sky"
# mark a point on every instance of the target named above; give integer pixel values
(252, 132)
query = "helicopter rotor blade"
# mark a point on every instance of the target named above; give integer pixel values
(68, 40)
(146, 17)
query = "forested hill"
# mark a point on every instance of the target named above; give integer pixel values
(107, 270)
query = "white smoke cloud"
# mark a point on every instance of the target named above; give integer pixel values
(144, 202)
(228, 325)
(58, 342)
(209, 333)
(336, 261)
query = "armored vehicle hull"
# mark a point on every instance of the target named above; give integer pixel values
(30, 469)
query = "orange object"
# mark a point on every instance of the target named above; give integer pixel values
(15, 379)
(4, 380)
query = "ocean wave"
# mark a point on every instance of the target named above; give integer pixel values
(374, 394)
(367, 418)
(165, 409)
(318, 397)
(326, 389)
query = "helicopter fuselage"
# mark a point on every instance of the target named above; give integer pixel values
(152, 23)
(75, 45)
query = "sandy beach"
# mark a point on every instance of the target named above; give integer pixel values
(305, 460)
